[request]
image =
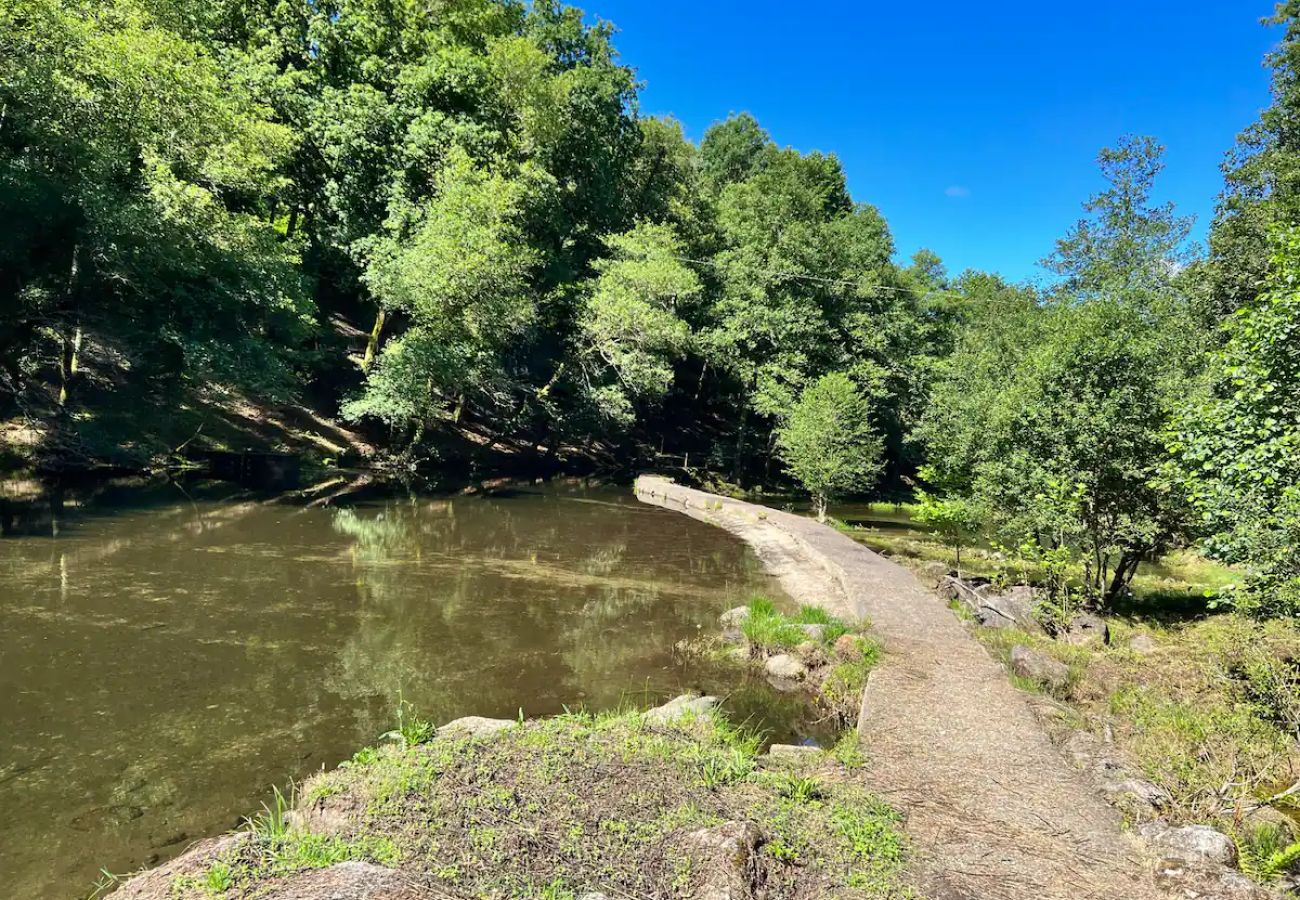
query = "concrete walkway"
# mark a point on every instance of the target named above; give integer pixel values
(993, 809)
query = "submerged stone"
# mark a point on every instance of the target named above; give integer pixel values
(681, 707)
(785, 667)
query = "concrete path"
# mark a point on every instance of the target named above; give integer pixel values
(994, 810)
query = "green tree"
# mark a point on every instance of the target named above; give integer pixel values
(1238, 449)
(631, 329)
(1126, 249)
(828, 443)
(1051, 419)
(955, 518)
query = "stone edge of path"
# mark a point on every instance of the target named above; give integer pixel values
(993, 808)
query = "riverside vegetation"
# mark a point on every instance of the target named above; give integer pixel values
(450, 227)
(670, 803)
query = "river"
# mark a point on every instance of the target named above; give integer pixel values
(168, 651)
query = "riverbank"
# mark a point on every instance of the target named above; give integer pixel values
(673, 802)
(993, 808)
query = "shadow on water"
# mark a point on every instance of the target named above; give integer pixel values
(168, 650)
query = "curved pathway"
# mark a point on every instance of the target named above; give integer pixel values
(994, 810)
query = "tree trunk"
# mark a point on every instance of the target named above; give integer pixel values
(1125, 569)
(819, 503)
(372, 344)
(70, 351)
(737, 464)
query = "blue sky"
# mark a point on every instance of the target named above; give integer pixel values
(974, 127)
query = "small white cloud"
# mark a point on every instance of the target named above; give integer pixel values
(958, 191)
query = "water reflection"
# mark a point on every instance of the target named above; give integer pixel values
(168, 651)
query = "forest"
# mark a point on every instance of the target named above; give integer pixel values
(451, 219)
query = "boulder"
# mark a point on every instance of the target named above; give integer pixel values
(725, 859)
(685, 706)
(1053, 675)
(334, 814)
(156, 884)
(1007, 609)
(1087, 630)
(785, 667)
(475, 726)
(991, 607)
(814, 632)
(1190, 845)
(932, 573)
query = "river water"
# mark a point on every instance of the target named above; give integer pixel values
(168, 652)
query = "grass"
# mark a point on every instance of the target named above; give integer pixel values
(580, 802)
(769, 631)
(1209, 715)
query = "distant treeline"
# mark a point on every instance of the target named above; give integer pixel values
(426, 217)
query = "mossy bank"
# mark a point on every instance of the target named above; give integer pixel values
(672, 803)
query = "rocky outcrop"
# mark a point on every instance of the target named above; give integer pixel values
(1190, 845)
(1041, 668)
(993, 608)
(156, 884)
(475, 726)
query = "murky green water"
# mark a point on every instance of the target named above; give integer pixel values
(166, 654)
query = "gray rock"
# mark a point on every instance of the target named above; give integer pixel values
(1152, 794)
(1087, 630)
(1197, 883)
(734, 618)
(593, 895)
(1012, 608)
(785, 667)
(994, 608)
(811, 654)
(1190, 845)
(1142, 644)
(1039, 667)
(685, 706)
(475, 726)
(814, 632)
(950, 587)
(933, 573)
(725, 860)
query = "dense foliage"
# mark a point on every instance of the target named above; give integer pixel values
(452, 219)
(828, 442)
